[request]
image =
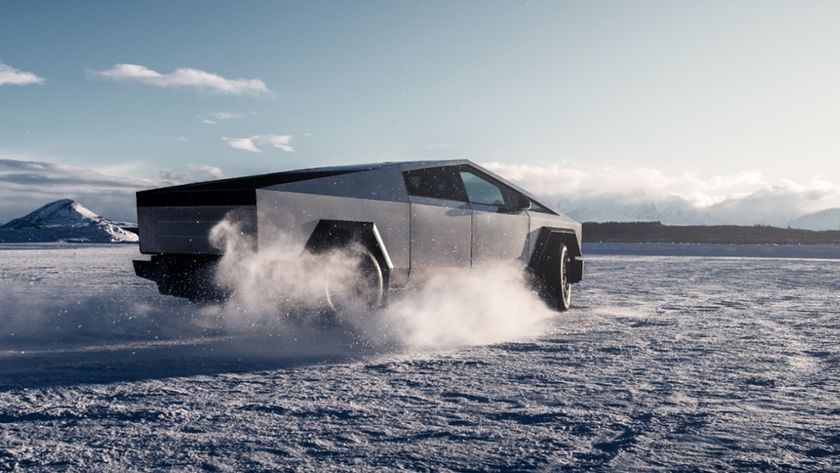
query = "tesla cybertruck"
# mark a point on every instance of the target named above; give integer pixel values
(403, 220)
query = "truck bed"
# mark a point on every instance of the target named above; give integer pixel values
(178, 219)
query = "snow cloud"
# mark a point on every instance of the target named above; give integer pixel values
(183, 77)
(609, 193)
(252, 144)
(11, 76)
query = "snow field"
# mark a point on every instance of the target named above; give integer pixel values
(665, 363)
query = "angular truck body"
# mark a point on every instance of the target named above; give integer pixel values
(409, 219)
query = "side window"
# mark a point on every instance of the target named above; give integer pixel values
(481, 191)
(437, 183)
(538, 207)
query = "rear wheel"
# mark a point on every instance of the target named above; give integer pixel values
(355, 283)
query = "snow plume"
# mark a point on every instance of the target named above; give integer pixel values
(489, 305)
(279, 287)
(274, 283)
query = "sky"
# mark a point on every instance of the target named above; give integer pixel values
(719, 111)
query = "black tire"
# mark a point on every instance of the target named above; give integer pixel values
(556, 289)
(564, 286)
(361, 288)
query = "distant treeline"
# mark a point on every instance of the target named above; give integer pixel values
(655, 232)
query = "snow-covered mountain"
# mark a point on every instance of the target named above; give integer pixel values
(609, 208)
(773, 210)
(64, 220)
(828, 219)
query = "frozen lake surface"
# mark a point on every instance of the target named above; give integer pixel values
(665, 363)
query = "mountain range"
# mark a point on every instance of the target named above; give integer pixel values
(677, 211)
(824, 220)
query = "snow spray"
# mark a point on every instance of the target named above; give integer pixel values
(278, 284)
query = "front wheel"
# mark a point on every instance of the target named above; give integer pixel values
(355, 282)
(553, 279)
(564, 286)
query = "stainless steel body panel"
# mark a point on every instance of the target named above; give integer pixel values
(498, 236)
(290, 218)
(186, 230)
(441, 232)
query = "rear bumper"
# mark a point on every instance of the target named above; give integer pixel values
(574, 271)
(147, 270)
(188, 276)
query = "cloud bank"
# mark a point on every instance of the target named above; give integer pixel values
(11, 76)
(26, 185)
(612, 194)
(183, 77)
(283, 142)
(606, 194)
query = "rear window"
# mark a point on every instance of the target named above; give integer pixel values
(437, 183)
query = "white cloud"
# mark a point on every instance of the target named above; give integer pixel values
(226, 115)
(207, 170)
(183, 77)
(216, 117)
(283, 142)
(10, 75)
(245, 144)
(647, 194)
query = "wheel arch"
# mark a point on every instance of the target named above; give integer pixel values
(547, 247)
(330, 234)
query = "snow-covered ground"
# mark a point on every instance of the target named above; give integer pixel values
(666, 362)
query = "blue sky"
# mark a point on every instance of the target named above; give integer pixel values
(737, 96)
